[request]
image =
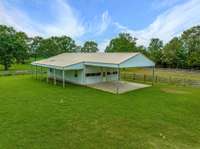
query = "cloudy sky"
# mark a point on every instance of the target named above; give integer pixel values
(101, 20)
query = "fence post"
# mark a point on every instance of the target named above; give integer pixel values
(117, 90)
(183, 81)
(134, 77)
(153, 75)
(156, 78)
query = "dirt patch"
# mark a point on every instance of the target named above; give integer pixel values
(174, 91)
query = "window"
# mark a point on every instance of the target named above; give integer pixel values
(50, 69)
(115, 72)
(75, 73)
(109, 73)
(92, 74)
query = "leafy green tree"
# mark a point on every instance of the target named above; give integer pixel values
(123, 43)
(90, 46)
(21, 47)
(13, 46)
(191, 43)
(48, 47)
(56, 45)
(66, 44)
(174, 54)
(142, 50)
(6, 46)
(155, 50)
(34, 44)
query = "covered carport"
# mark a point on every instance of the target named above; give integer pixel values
(120, 86)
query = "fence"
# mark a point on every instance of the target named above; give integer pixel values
(129, 77)
(18, 72)
(158, 79)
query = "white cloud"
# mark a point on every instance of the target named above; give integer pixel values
(102, 45)
(158, 4)
(169, 24)
(67, 22)
(99, 24)
(105, 22)
(14, 17)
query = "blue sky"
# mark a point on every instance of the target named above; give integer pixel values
(101, 20)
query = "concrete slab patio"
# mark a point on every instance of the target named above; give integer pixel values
(118, 87)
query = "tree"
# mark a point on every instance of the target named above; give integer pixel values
(21, 47)
(90, 46)
(174, 54)
(66, 44)
(48, 47)
(34, 44)
(56, 45)
(6, 46)
(123, 43)
(155, 50)
(191, 43)
(142, 50)
(13, 46)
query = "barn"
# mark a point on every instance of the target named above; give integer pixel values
(90, 68)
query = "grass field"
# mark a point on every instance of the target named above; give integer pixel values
(36, 115)
(16, 67)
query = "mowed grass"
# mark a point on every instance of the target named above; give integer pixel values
(17, 67)
(36, 115)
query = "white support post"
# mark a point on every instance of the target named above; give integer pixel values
(41, 75)
(101, 73)
(63, 76)
(84, 73)
(36, 72)
(119, 73)
(47, 75)
(32, 71)
(54, 76)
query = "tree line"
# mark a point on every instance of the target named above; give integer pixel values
(180, 52)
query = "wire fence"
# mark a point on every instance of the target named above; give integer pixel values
(17, 72)
(159, 79)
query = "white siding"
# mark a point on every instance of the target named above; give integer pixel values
(69, 75)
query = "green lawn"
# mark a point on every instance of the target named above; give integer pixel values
(36, 115)
(17, 67)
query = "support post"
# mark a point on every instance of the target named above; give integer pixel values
(47, 75)
(41, 74)
(101, 73)
(119, 73)
(36, 72)
(153, 75)
(54, 76)
(84, 73)
(63, 76)
(32, 71)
